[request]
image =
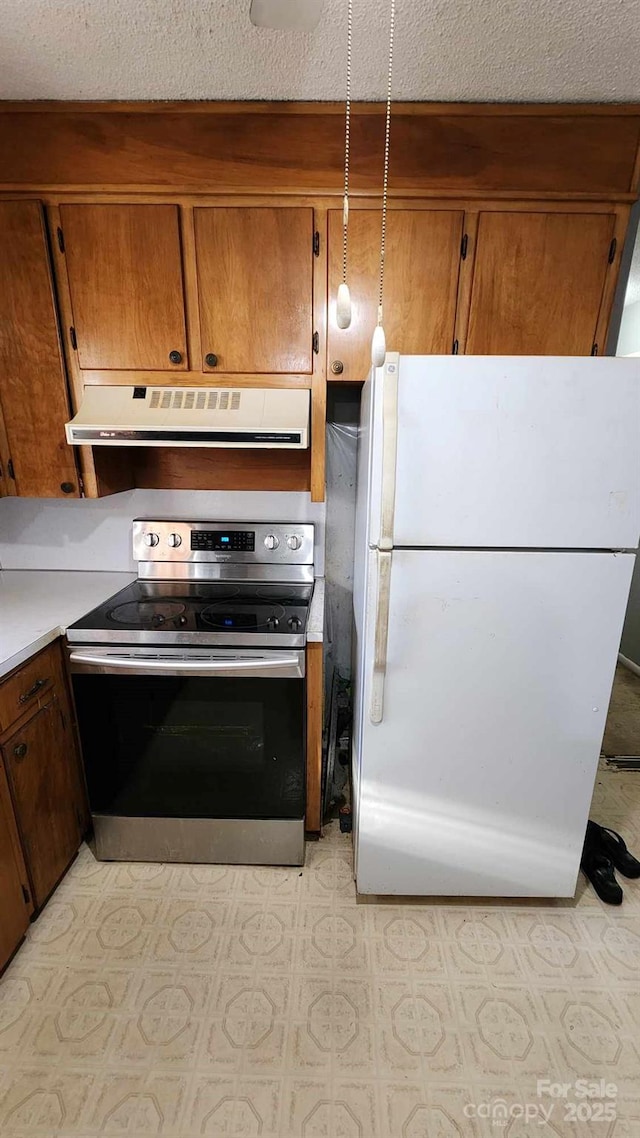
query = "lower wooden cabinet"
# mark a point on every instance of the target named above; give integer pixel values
(42, 770)
(41, 790)
(15, 904)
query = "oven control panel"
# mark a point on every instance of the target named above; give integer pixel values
(265, 543)
(224, 541)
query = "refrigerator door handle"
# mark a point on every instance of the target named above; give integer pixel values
(389, 448)
(381, 635)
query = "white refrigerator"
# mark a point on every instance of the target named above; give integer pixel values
(498, 513)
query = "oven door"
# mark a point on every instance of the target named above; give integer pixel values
(193, 755)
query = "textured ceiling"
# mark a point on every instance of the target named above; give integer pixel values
(513, 50)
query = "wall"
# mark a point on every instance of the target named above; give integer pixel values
(628, 341)
(96, 534)
(629, 338)
(630, 644)
(628, 259)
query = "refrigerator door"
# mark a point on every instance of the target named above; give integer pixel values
(478, 778)
(509, 452)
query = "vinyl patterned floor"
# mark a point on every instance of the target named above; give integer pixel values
(204, 1000)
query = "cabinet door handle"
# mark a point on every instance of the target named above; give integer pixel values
(19, 751)
(175, 357)
(27, 695)
(211, 359)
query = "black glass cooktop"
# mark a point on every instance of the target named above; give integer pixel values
(197, 612)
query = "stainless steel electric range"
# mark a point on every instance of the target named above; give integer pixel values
(189, 687)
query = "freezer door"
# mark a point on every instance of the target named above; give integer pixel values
(514, 452)
(499, 667)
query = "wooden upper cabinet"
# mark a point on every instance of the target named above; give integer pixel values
(33, 389)
(538, 280)
(255, 288)
(125, 278)
(420, 285)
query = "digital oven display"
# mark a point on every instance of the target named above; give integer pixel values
(230, 541)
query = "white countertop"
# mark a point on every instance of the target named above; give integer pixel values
(37, 606)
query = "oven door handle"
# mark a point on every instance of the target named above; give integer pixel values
(291, 664)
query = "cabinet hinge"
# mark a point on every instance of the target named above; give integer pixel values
(316, 244)
(72, 337)
(60, 236)
(463, 246)
(454, 350)
(10, 469)
(316, 342)
(594, 350)
(26, 895)
(612, 250)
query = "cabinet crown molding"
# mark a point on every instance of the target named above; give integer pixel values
(452, 148)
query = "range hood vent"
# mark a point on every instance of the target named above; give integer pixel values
(190, 399)
(191, 417)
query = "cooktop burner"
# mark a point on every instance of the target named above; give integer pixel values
(148, 614)
(198, 612)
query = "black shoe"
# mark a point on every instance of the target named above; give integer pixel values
(613, 846)
(599, 871)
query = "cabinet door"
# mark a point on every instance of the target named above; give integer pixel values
(420, 284)
(33, 387)
(14, 910)
(42, 765)
(255, 287)
(125, 277)
(537, 283)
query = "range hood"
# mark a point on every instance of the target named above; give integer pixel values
(191, 417)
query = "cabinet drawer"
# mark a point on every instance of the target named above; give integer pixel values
(23, 690)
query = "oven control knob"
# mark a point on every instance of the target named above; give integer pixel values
(294, 623)
(174, 540)
(271, 541)
(294, 542)
(272, 622)
(151, 539)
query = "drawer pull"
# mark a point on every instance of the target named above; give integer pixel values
(27, 695)
(20, 751)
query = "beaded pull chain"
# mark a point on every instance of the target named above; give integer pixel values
(343, 300)
(378, 342)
